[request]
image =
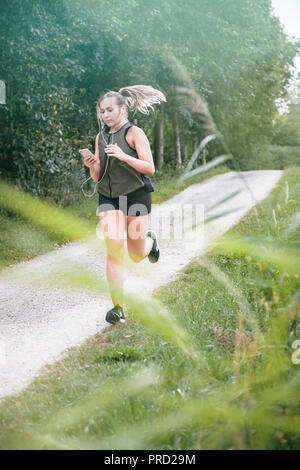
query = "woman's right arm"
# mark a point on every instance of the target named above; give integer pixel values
(93, 162)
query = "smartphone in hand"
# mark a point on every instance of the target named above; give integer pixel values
(86, 153)
(88, 158)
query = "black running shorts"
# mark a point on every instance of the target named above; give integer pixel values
(134, 204)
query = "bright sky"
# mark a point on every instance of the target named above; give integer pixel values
(289, 15)
(288, 12)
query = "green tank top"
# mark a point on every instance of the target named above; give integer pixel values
(120, 178)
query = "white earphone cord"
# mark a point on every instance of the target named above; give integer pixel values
(97, 182)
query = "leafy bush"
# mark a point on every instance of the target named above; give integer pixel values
(273, 157)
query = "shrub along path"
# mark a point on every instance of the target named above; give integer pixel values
(41, 317)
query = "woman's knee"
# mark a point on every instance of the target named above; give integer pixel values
(135, 257)
(136, 251)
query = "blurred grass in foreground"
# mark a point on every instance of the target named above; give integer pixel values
(214, 372)
(206, 365)
(21, 238)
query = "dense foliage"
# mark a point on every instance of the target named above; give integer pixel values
(57, 57)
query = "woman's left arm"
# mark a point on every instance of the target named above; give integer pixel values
(144, 164)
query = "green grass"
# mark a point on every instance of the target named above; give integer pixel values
(20, 239)
(240, 390)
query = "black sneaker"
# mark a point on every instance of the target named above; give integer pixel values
(115, 314)
(154, 253)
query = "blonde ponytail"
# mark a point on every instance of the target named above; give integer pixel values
(142, 97)
(137, 97)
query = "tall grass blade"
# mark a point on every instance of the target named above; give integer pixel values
(213, 163)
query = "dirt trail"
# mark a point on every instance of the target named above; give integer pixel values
(38, 324)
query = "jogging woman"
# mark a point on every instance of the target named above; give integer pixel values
(122, 165)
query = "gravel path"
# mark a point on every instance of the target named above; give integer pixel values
(38, 323)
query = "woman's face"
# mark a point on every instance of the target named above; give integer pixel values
(111, 113)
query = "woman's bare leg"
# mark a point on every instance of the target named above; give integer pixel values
(139, 246)
(113, 227)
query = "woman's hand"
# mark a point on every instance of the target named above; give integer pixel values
(89, 158)
(90, 161)
(113, 150)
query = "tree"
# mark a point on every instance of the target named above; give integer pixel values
(57, 58)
